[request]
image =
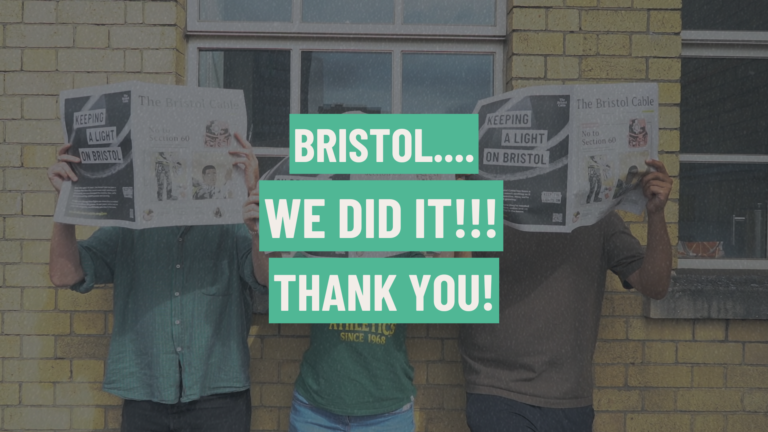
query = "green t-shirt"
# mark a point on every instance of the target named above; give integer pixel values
(357, 369)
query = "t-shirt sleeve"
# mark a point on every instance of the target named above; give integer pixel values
(245, 253)
(624, 254)
(98, 255)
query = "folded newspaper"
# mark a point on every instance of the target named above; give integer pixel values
(568, 155)
(152, 155)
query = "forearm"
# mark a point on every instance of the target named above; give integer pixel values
(64, 267)
(656, 271)
(260, 262)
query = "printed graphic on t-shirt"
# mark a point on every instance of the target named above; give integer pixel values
(370, 333)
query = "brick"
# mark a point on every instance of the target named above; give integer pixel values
(158, 61)
(39, 60)
(91, 60)
(445, 373)
(708, 423)
(96, 300)
(254, 347)
(562, 67)
(36, 323)
(10, 11)
(659, 400)
(114, 417)
(658, 4)
(39, 299)
(39, 204)
(656, 46)
(92, 347)
(709, 400)
(133, 61)
(88, 323)
(660, 352)
(612, 68)
(37, 346)
(618, 352)
(37, 83)
(745, 376)
(277, 395)
(133, 12)
(664, 69)
(142, 37)
(36, 418)
(37, 394)
(40, 107)
(9, 394)
(289, 371)
(429, 397)
(581, 44)
(33, 131)
(27, 275)
(424, 349)
(539, 3)
(615, 3)
(265, 419)
(756, 401)
(10, 251)
(36, 370)
(709, 376)
(451, 351)
(650, 329)
(10, 203)
(657, 422)
(622, 304)
(756, 354)
(417, 330)
(87, 370)
(666, 22)
(527, 66)
(563, 19)
(614, 21)
(166, 79)
(83, 232)
(443, 330)
(748, 330)
(10, 60)
(537, 43)
(285, 348)
(87, 418)
(708, 329)
(672, 163)
(528, 19)
(613, 44)
(709, 352)
(90, 79)
(10, 155)
(747, 423)
(617, 400)
(10, 346)
(160, 13)
(10, 108)
(264, 371)
(84, 394)
(659, 376)
(89, 36)
(612, 328)
(610, 376)
(40, 12)
(39, 36)
(90, 12)
(35, 251)
(608, 422)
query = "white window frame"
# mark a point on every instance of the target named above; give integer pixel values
(296, 27)
(724, 44)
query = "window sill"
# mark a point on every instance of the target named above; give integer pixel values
(713, 294)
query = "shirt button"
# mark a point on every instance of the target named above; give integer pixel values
(178, 349)
(176, 294)
(178, 265)
(178, 322)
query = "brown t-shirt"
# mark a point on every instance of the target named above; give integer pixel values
(550, 298)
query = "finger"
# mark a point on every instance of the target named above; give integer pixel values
(70, 173)
(657, 165)
(63, 149)
(68, 158)
(243, 143)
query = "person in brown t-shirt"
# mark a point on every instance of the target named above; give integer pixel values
(532, 372)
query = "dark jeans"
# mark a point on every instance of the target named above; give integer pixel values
(228, 412)
(486, 413)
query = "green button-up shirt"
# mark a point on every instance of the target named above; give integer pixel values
(182, 306)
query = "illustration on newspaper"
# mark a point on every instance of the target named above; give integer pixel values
(568, 155)
(152, 155)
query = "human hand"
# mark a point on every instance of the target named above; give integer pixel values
(657, 185)
(251, 211)
(60, 172)
(244, 158)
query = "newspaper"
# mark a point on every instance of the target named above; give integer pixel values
(152, 155)
(568, 155)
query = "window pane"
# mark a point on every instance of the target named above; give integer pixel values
(743, 15)
(723, 107)
(264, 77)
(450, 12)
(719, 203)
(445, 83)
(246, 10)
(348, 11)
(337, 82)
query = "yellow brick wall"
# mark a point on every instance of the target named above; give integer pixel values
(650, 375)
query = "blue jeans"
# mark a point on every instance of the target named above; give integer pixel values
(486, 413)
(308, 418)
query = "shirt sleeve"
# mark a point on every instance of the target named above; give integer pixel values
(245, 253)
(624, 254)
(98, 256)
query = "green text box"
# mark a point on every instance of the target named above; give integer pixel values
(452, 290)
(310, 215)
(439, 144)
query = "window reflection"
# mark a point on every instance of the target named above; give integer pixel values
(246, 10)
(725, 15)
(337, 82)
(445, 83)
(450, 12)
(348, 11)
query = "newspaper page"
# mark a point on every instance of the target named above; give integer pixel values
(152, 155)
(568, 155)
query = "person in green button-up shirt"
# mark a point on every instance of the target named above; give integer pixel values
(182, 304)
